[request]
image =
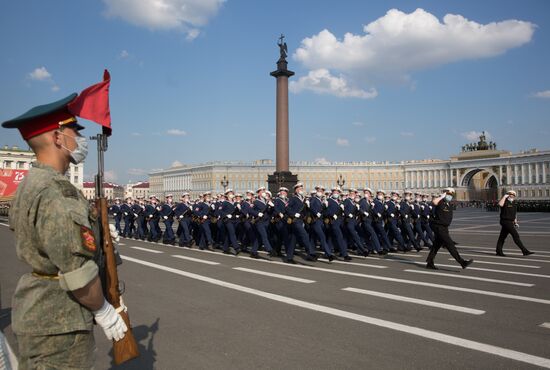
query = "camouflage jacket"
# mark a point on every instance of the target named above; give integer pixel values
(53, 235)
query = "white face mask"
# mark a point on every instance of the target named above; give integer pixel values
(231, 196)
(319, 194)
(394, 198)
(357, 199)
(300, 192)
(380, 197)
(78, 155)
(335, 196)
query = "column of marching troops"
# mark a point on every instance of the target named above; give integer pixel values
(334, 222)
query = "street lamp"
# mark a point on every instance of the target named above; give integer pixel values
(340, 181)
(224, 182)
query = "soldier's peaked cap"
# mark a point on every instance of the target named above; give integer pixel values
(283, 189)
(44, 118)
(298, 185)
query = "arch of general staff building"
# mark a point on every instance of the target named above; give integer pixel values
(478, 172)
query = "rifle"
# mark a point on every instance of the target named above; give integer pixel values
(126, 348)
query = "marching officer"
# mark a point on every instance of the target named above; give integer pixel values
(280, 225)
(260, 215)
(167, 214)
(295, 213)
(126, 210)
(201, 211)
(509, 223)
(367, 220)
(138, 209)
(114, 210)
(393, 215)
(249, 237)
(151, 215)
(227, 217)
(351, 212)
(443, 216)
(182, 213)
(425, 214)
(406, 210)
(334, 219)
(379, 210)
(316, 207)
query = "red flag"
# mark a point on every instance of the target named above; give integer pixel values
(93, 104)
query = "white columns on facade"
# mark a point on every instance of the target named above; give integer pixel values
(523, 174)
(543, 173)
(537, 173)
(516, 174)
(529, 173)
(447, 177)
(508, 174)
(499, 175)
(423, 179)
(406, 180)
(417, 179)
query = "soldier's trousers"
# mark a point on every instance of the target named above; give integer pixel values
(429, 233)
(70, 351)
(261, 229)
(382, 235)
(128, 227)
(283, 236)
(394, 232)
(183, 231)
(351, 226)
(410, 234)
(370, 236)
(153, 224)
(508, 228)
(117, 224)
(230, 237)
(442, 238)
(420, 234)
(319, 234)
(299, 233)
(168, 236)
(140, 234)
(337, 238)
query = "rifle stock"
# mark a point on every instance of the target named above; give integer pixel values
(126, 348)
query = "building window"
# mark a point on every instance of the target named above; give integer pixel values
(75, 179)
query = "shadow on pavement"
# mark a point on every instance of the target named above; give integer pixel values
(147, 355)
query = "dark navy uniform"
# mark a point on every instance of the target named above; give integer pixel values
(227, 216)
(114, 210)
(367, 219)
(379, 213)
(295, 213)
(167, 215)
(259, 212)
(508, 213)
(316, 209)
(333, 216)
(394, 232)
(351, 212)
(182, 213)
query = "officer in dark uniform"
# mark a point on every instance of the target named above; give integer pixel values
(406, 210)
(261, 220)
(351, 213)
(138, 210)
(295, 214)
(316, 207)
(392, 213)
(126, 210)
(379, 209)
(249, 237)
(367, 219)
(167, 214)
(227, 217)
(151, 215)
(334, 219)
(425, 215)
(201, 211)
(182, 213)
(443, 216)
(509, 223)
(279, 223)
(114, 210)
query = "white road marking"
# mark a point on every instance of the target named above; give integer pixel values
(3, 224)
(423, 302)
(285, 277)
(121, 244)
(507, 250)
(545, 325)
(147, 250)
(501, 258)
(428, 334)
(195, 259)
(502, 263)
(471, 278)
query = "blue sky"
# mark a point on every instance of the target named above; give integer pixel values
(190, 80)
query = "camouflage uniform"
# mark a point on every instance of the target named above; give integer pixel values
(53, 232)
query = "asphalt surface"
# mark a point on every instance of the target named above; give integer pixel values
(206, 310)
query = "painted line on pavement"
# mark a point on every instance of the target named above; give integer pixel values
(428, 334)
(147, 250)
(500, 258)
(503, 264)
(545, 325)
(285, 277)
(472, 278)
(195, 260)
(423, 302)
(3, 224)
(506, 250)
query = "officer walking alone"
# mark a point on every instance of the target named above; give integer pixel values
(509, 223)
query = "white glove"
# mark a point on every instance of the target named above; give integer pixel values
(342, 206)
(114, 233)
(335, 217)
(181, 216)
(428, 217)
(229, 216)
(357, 206)
(213, 206)
(165, 217)
(114, 214)
(110, 321)
(158, 208)
(150, 216)
(406, 216)
(318, 214)
(125, 213)
(422, 207)
(366, 214)
(260, 214)
(307, 202)
(271, 204)
(379, 215)
(281, 215)
(392, 215)
(205, 217)
(350, 215)
(238, 206)
(297, 215)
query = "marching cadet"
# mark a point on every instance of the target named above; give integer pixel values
(425, 215)
(351, 212)
(406, 212)
(201, 211)
(295, 215)
(139, 213)
(333, 218)
(367, 220)
(279, 223)
(316, 207)
(114, 210)
(380, 209)
(259, 213)
(151, 215)
(54, 306)
(126, 210)
(392, 213)
(416, 215)
(239, 231)
(509, 223)
(443, 216)
(249, 237)
(182, 213)
(227, 214)
(166, 213)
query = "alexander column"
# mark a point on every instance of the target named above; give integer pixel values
(282, 176)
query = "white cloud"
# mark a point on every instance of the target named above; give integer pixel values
(474, 135)
(542, 94)
(398, 43)
(370, 139)
(358, 124)
(406, 134)
(176, 132)
(110, 176)
(321, 81)
(123, 54)
(342, 142)
(321, 160)
(136, 171)
(40, 74)
(183, 15)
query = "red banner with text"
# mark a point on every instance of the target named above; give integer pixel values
(9, 180)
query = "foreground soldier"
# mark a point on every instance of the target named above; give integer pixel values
(443, 216)
(509, 223)
(53, 307)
